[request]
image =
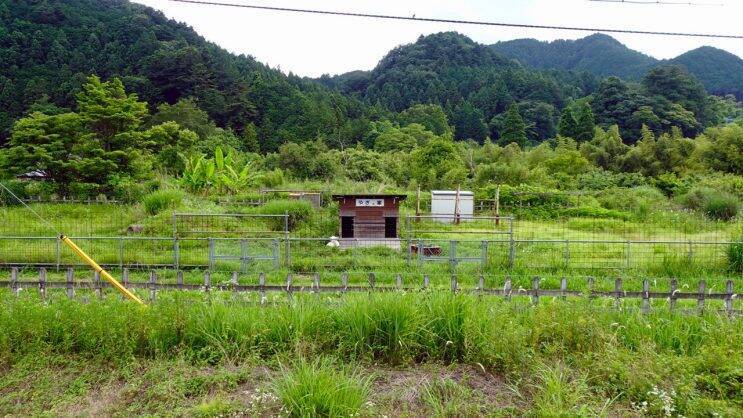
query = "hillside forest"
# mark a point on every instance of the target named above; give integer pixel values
(95, 108)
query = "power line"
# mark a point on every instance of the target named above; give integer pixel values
(456, 21)
(659, 2)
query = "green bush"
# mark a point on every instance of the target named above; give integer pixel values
(735, 256)
(594, 212)
(319, 389)
(156, 202)
(715, 204)
(18, 188)
(298, 210)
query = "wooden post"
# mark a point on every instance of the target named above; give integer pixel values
(70, 283)
(507, 289)
(14, 280)
(207, 281)
(372, 280)
(645, 296)
(701, 296)
(97, 284)
(398, 281)
(42, 283)
(672, 298)
(316, 283)
(418, 203)
(618, 293)
(153, 286)
(729, 297)
(535, 290)
(590, 288)
(262, 287)
(454, 283)
(233, 281)
(563, 287)
(289, 285)
(426, 281)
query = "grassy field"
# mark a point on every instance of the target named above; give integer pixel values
(406, 354)
(664, 244)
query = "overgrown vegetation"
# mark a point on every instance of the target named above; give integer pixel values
(576, 358)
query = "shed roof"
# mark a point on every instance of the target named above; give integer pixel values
(451, 193)
(370, 195)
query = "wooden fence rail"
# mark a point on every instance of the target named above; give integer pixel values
(507, 291)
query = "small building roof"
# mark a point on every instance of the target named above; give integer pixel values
(369, 195)
(451, 193)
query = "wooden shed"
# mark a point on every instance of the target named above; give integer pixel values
(369, 219)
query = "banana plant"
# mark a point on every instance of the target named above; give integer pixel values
(223, 173)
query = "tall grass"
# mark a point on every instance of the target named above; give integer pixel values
(622, 354)
(318, 388)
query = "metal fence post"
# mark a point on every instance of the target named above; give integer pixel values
(211, 253)
(484, 253)
(275, 253)
(453, 255)
(153, 286)
(262, 287)
(287, 245)
(618, 293)
(58, 253)
(511, 246)
(176, 254)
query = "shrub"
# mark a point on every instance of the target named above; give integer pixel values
(594, 212)
(735, 256)
(715, 204)
(318, 389)
(18, 188)
(156, 202)
(298, 210)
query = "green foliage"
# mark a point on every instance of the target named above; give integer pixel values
(319, 389)
(430, 116)
(725, 149)
(224, 173)
(299, 211)
(715, 204)
(513, 129)
(735, 256)
(431, 162)
(160, 200)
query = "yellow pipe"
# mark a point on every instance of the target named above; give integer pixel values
(115, 283)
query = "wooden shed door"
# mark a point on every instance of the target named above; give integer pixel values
(390, 227)
(346, 226)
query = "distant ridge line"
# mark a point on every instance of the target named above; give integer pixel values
(456, 21)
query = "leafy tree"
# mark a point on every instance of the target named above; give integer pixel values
(585, 124)
(606, 149)
(567, 127)
(250, 139)
(395, 139)
(431, 162)
(725, 149)
(514, 129)
(186, 113)
(468, 123)
(170, 143)
(431, 116)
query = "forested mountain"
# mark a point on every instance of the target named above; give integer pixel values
(719, 71)
(597, 54)
(474, 85)
(49, 47)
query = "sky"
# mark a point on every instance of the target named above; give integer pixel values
(312, 45)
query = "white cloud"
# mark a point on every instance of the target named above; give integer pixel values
(312, 44)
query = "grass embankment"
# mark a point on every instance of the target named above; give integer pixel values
(387, 354)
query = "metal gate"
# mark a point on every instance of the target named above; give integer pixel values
(233, 254)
